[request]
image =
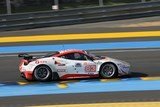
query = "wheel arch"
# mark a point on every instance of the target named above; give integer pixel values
(115, 73)
(42, 65)
(39, 66)
(54, 75)
(108, 63)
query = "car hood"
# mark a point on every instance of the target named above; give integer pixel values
(109, 59)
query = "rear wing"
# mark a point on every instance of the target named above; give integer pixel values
(25, 56)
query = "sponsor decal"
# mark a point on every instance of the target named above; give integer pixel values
(91, 73)
(90, 68)
(61, 70)
(61, 64)
(58, 63)
(40, 62)
(78, 65)
(60, 67)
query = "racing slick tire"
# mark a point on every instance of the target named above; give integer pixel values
(108, 70)
(55, 76)
(42, 73)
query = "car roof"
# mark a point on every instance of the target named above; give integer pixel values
(63, 52)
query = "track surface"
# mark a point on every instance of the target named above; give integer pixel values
(81, 98)
(143, 63)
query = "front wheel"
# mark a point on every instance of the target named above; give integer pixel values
(108, 70)
(43, 73)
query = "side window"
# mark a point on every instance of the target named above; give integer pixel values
(79, 56)
(75, 56)
(68, 56)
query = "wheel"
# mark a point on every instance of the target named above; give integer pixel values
(108, 70)
(55, 76)
(42, 73)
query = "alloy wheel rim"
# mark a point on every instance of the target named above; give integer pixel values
(108, 71)
(42, 73)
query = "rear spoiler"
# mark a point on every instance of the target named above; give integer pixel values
(25, 56)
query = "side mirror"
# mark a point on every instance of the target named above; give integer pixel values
(90, 59)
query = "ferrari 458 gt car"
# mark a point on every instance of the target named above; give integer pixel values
(70, 64)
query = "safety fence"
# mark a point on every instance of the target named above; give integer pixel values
(78, 16)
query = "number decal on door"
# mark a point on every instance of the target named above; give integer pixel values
(90, 68)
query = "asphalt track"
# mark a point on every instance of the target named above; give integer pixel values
(144, 63)
(83, 98)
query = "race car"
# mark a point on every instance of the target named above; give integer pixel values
(70, 64)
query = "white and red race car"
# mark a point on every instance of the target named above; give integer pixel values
(70, 64)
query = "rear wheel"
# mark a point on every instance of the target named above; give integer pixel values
(108, 70)
(42, 73)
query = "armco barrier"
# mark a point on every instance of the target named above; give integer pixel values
(79, 20)
(75, 16)
(50, 18)
(81, 10)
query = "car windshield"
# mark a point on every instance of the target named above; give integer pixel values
(95, 57)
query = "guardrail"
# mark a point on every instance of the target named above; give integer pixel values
(76, 16)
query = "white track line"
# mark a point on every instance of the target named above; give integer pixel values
(126, 50)
(96, 51)
(12, 55)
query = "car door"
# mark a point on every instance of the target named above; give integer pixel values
(85, 65)
(65, 68)
(78, 63)
(61, 65)
(69, 62)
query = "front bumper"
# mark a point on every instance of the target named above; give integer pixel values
(124, 69)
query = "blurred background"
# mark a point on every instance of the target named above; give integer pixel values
(21, 6)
